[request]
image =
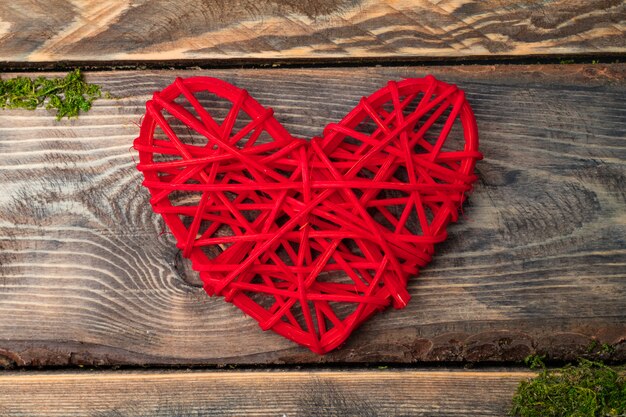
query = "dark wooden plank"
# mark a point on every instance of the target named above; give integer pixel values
(269, 393)
(536, 265)
(53, 30)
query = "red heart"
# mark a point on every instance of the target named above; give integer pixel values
(308, 237)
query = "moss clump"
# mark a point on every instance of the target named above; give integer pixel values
(68, 96)
(589, 389)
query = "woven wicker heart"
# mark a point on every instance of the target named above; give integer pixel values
(308, 237)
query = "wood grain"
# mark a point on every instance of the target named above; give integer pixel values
(114, 30)
(269, 393)
(537, 263)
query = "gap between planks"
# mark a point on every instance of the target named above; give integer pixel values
(329, 62)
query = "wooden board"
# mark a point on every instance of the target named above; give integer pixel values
(260, 393)
(160, 30)
(537, 263)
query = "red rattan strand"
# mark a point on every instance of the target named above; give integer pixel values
(308, 237)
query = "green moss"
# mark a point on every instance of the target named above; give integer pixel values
(535, 361)
(589, 389)
(607, 349)
(593, 345)
(68, 96)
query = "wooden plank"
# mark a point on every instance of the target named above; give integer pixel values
(536, 265)
(260, 393)
(113, 30)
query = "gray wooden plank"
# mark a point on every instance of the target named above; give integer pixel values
(536, 265)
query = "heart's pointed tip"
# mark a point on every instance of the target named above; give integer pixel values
(319, 351)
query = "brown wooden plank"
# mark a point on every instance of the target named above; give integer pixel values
(536, 265)
(260, 393)
(112, 30)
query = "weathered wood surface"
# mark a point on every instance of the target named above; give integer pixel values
(96, 30)
(269, 393)
(538, 263)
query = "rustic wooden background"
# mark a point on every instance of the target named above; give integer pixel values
(537, 264)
